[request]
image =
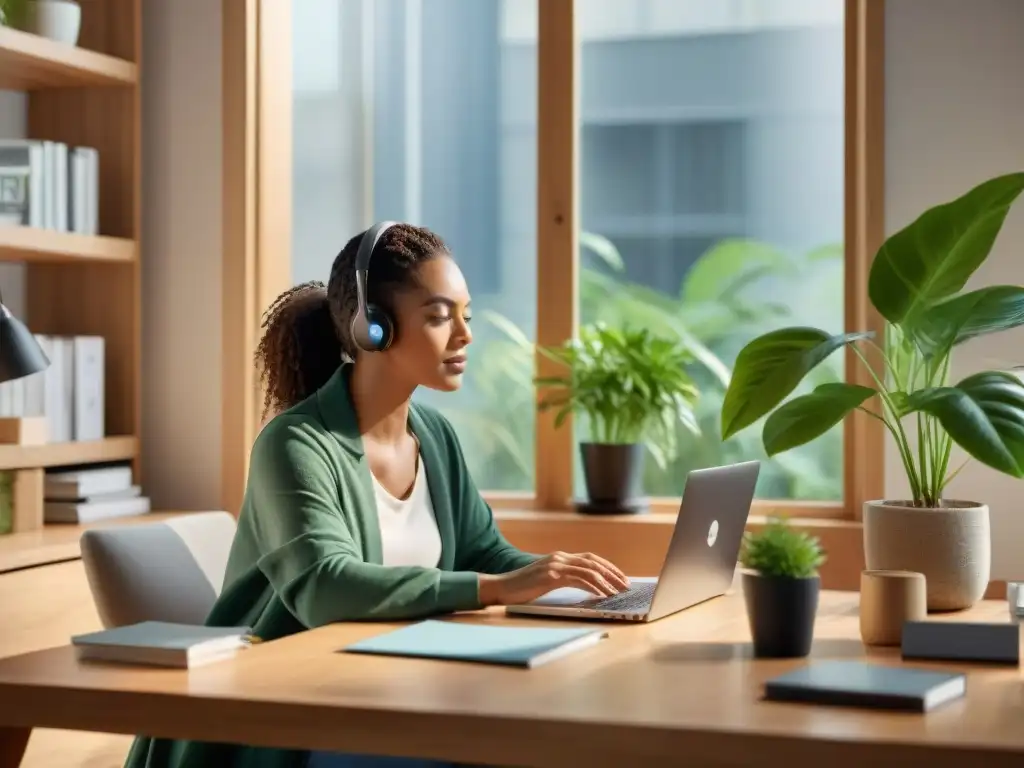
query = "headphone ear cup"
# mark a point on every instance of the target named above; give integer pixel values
(373, 332)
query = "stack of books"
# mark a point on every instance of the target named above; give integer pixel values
(48, 185)
(89, 494)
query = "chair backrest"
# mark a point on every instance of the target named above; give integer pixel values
(171, 570)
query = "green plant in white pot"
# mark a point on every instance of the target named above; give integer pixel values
(917, 284)
(632, 389)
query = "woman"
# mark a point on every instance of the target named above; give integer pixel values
(359, 505)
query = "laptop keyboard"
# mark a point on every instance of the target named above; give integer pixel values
(636, 598)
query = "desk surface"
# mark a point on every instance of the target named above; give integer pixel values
(685, 685)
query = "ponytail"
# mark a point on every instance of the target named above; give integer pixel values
(299, 350)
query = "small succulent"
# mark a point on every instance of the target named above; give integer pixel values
(779, 550)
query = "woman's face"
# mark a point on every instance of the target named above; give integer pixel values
(432, 320)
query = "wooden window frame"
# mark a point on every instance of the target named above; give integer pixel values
(257, 233)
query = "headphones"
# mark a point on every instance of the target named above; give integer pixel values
(372, 328)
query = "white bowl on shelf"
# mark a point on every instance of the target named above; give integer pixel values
(58, 20)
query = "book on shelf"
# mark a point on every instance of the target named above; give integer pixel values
(88, 494)
(69, 394)
(49, 185)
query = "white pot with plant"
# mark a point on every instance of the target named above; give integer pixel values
(58, 20)
(632, 390)
(916, 284)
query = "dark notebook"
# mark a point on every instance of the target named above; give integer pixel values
(858, 684)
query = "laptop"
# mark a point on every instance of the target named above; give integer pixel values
(700, 563)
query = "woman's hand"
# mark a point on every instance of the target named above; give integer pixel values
(559, 569)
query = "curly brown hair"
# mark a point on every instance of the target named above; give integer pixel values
(307, 331)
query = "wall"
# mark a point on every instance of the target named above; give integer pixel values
(181, 126)
(954, 117)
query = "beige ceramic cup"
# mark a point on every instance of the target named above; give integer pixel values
(887, 600)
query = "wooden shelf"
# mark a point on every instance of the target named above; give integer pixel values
(122, 448)
(59, 542)
(30, 63)
(49, 246)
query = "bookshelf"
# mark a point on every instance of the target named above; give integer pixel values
(84, 95)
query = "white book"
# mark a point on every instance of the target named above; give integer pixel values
(60, 176)
(83, 483)
(163, 644)
(87, 387)
(131, 492)
(49, 188)
(67, 389)
(78, 167)
(92, 190)
(80, 513)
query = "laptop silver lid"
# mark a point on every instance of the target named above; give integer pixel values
(701, 559)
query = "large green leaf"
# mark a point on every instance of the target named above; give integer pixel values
(807, 417)
(956, 320)
(933, 257)
(770, 367)
(984, 414)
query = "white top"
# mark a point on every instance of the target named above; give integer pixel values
(408, 528)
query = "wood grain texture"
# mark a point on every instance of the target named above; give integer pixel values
(42, 608)
(30, 62)
(103, 299)
(685, 685)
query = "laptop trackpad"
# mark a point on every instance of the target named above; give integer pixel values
(572, 596)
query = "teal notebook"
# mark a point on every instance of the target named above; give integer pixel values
(459, 641)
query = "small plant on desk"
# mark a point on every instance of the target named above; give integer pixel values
(780, 588)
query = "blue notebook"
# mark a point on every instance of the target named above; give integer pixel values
(859, 684)
(460, 641)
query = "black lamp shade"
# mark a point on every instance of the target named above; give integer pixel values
(20, 353)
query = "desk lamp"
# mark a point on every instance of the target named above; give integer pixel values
(20, 353)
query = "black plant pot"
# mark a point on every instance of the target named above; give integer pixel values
(614, 476)
(781, 613)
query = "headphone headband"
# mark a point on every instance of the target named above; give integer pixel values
(369, 242)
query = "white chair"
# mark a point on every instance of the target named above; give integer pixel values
(171, 570)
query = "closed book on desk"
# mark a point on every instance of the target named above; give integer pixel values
(162, 644)
(857, 684)
(489, 644)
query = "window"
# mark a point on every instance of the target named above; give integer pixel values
(712, 159)
(731, 152)
(425, 111)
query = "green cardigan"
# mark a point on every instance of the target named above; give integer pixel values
(308, 551)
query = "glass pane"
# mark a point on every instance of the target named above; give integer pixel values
(425, 111)
(712, 159)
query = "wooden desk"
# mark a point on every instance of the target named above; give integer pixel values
(684, 686)
(44, 599)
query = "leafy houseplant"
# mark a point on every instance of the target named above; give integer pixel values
(916, 284)
(780, 588)
(632, 389)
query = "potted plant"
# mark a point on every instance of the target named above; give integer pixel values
(780, 588)
(916, 283)
(632, 389)
(58, 20)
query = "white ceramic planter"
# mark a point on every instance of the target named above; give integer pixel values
(58, 20)
(951, 546)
